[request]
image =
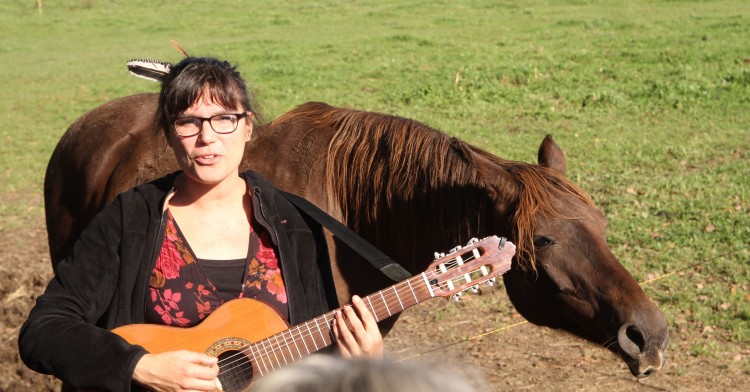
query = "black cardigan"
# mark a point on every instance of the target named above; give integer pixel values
(103, 283)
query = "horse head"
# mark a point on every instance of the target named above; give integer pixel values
(564, 275)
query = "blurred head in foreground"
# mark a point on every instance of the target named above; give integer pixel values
(320, 373)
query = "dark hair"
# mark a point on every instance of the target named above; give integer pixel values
(190, 78)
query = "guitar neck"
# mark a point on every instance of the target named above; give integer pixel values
(311, 336)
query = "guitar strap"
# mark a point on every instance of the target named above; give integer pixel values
(375, 256)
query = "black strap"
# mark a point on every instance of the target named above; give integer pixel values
(378, 259)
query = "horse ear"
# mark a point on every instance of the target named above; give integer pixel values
(552, 156)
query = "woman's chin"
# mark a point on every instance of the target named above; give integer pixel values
(210, 177)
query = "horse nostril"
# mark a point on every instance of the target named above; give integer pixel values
(634, 335)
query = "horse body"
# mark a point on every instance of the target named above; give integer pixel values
(106, 151)
(408, 189)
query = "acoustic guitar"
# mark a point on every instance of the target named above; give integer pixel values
(251, 339)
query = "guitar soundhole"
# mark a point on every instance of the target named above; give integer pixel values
(235, 371)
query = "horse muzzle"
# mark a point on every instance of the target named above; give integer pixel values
(643, 352)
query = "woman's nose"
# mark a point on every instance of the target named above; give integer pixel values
(206, 133)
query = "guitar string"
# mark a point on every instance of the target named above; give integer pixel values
(289, 335)
(264, 349)
(289, 343)
(290, 338)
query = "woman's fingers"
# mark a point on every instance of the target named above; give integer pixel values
(356, 331)
(177, 371)
(366, 317)
(343, 336)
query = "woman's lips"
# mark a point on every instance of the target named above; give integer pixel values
(207, 159)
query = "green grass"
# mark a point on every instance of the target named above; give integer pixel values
(648, 98)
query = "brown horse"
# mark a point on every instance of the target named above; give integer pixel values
(407, 188)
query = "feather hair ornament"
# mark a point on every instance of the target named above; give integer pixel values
(148, 69)
(153, 70)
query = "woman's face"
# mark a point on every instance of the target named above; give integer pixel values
(211, 158)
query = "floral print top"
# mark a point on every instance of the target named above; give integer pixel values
(182, 294)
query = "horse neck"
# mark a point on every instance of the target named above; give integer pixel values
(418, 228)
(410, 220)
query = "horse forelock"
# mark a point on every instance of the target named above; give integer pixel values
(540, 188)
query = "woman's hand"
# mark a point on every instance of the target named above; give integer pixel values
(177, 371)
(357, 332)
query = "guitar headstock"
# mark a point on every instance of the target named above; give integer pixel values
(465, 267)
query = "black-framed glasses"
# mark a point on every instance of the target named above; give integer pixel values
(220, 123)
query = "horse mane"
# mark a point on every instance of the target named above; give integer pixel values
(391, 169)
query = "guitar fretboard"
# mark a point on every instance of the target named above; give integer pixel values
(311, 336)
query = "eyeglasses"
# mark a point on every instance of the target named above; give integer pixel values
(220, 123)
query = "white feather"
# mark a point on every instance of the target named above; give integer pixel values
(152, 70)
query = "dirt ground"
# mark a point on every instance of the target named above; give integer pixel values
(489, 345)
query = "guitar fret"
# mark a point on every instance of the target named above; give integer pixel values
(252, 349)
(329, 325)
(288, 342)
(397, 297)
(408, 282)
(320, 332)
(288, 346)
(263, 357)
(374, 313)
(311, 335)
(281, 349)
(294, 339)
(302, 337)
(385, 303)
(273, 351)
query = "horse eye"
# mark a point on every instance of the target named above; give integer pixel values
(542, 242)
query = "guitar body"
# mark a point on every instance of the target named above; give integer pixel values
(225, 334)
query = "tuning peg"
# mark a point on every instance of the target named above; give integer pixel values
(491, 281)
(472, 241)
(501, 245)
(456, 297)
(474, 289)
(439, 255)
(456, 249)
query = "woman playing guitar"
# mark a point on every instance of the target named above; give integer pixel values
(175, 249)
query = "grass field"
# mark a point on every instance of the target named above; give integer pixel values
(650, 100)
